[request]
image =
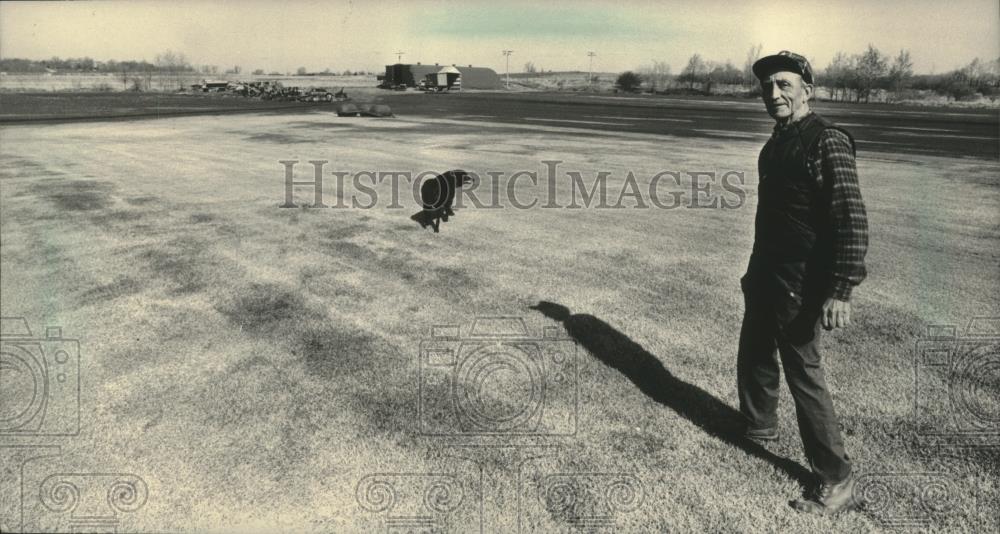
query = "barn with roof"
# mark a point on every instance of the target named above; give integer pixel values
(469, 77)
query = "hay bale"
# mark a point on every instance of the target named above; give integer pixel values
(347, 109)
(379, 110)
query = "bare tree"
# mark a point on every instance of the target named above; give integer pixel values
(656, 74)
(752, 56)
(529, 68)
(900, 72)
(725, 73)
(172, 66)
(696, 71)
(659, 75)
(975, 71)
(147, 79)
(171, 61)
(839, 75)
(871, 68)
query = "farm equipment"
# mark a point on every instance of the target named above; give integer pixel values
(446, 80)
(272, 90)
(317, 94)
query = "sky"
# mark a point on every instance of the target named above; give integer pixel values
(554, 35)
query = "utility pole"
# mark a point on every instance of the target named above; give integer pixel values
(508, 53)
(399, 56)
(590, 72)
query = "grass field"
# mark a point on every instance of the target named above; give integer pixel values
(261, 368)
(63, 106)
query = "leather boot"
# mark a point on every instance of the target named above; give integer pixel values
(829, 499)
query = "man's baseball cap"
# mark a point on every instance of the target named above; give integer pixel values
(783, 61)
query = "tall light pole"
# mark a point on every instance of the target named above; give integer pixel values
(508, 53)
(399, 56)
(590, 72)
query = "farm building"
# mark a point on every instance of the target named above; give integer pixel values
(410, 75)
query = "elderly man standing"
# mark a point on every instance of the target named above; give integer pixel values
(810, 241)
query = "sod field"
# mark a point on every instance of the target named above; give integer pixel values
(255, 367)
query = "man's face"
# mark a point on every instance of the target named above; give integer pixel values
(784, 94)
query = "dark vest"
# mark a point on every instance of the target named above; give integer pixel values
(792, 226)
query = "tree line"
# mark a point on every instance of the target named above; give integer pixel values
(166, 62)
(859, 77)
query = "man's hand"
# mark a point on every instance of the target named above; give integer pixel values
(836, 314)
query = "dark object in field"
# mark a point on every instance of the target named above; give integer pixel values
(348, 109)
(377, 110)
(437, 195)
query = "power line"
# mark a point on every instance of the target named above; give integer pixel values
(508, 53)
(590, 72)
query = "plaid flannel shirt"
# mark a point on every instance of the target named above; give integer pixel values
(834, 157)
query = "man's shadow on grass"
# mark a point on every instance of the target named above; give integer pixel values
(618, 351)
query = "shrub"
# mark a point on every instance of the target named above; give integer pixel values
(629, 81)
(959, 90)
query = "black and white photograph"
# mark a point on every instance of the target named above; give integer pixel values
(442, 266)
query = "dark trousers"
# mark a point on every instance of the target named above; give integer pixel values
(776, 319)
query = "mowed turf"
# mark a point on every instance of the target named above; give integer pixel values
(260, 367)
